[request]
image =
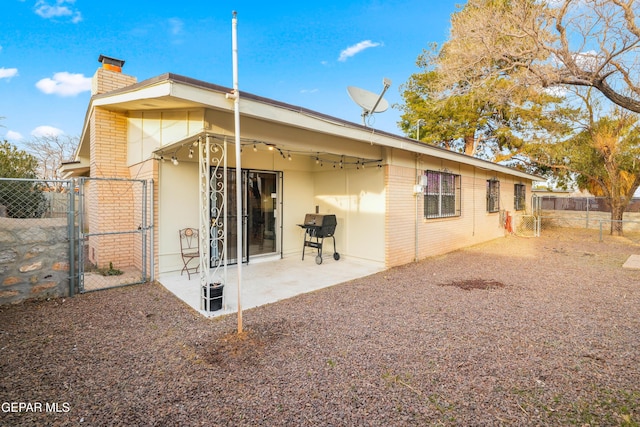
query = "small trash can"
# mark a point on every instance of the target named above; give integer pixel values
(212, 295)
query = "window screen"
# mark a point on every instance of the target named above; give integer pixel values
(441, 195)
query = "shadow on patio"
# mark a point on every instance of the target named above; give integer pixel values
(270, 281)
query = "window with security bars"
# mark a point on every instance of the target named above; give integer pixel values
(519, 192)
(493, 195)
(441, 195)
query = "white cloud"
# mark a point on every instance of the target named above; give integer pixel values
(58, 10)
(175, 26)
(65, 84)
(13, 136)
(309, 91)
(7, 73)
(355, 49)
(587, 61)
(558, 91)
(46, 131)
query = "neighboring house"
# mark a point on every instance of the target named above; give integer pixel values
(396, 200)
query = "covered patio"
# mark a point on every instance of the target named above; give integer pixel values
(266, 281)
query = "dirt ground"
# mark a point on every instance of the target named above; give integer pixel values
(517, 331)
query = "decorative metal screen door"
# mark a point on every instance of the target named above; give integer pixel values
(259, 217)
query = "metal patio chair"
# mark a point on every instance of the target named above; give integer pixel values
(189, 250)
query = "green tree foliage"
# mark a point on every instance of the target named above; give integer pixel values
(20, 198)
(601, 156)
(490, 121)
(16, 163)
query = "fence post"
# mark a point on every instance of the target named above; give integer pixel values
(600, 231)
(587, 226)
(71, 233)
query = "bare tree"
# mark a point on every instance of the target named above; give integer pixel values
(592, 43)
(51, 151)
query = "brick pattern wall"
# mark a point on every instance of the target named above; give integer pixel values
(400, 218)
(438, 236)
(106, 81)
(110, 205)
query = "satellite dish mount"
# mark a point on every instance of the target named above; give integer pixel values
(369, 101)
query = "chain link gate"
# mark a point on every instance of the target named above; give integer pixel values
(529, 224)
(114, 232)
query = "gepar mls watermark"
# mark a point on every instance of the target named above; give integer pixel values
(48, 407)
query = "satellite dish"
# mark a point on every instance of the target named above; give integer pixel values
(369, 101)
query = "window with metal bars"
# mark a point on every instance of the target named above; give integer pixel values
(441, 195)
(493, 195)
(519, 193)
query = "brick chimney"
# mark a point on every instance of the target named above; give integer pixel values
(109, 77)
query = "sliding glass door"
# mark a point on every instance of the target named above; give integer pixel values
(259, 216)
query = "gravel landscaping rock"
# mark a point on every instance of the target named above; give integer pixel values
(517, 331)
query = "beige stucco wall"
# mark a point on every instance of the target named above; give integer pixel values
(177, 209)
(150, 130)
(355, 197)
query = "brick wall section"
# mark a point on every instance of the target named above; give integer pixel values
(110, 205)
(438, 236)
(106, 81)
(400, 218)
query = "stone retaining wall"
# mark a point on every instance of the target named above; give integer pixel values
(34, 259)
(578, 219)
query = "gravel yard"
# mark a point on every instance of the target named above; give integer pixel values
(517, 331)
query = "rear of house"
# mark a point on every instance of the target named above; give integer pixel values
(395, 200)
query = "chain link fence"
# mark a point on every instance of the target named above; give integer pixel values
(525, 225)
(61, 237)
(37, 257)
(590, 213)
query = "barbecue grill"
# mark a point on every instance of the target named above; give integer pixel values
(316, 228)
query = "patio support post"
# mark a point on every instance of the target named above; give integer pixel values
(204, 223)
(236, 104)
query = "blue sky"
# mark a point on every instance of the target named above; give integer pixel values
(302, 53)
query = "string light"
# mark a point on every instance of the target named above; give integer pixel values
(341, 160)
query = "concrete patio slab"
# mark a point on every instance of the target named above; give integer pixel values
(633, 262)
(269, 281)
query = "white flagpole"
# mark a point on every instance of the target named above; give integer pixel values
(239, 213)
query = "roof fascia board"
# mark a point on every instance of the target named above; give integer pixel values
(157, 90)
(214, 96)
